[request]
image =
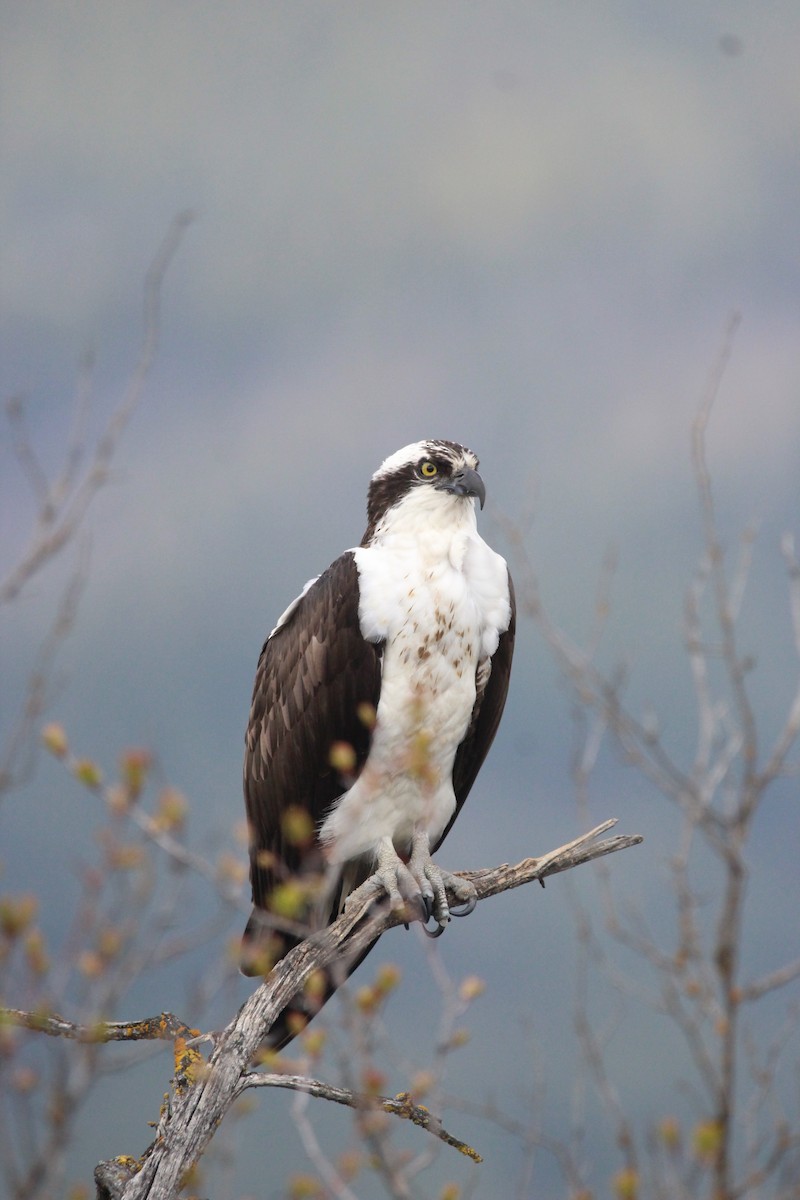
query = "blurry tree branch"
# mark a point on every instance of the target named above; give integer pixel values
(61, 503)
(100, 955)
(717, 791)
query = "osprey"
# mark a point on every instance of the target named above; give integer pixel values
(377, 696)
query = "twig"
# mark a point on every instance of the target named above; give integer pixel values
(769, 983)
(400, 1105)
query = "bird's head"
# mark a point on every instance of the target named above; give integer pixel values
(428, 481)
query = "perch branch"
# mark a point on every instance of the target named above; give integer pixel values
(203, 1092)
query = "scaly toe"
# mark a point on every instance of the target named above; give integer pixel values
(469, 906)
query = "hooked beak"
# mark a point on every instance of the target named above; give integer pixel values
(465, 483)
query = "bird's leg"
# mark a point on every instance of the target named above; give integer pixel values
(433, 883)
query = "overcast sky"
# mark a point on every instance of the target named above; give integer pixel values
(523, 227)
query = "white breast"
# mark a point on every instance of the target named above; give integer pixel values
(439, 602)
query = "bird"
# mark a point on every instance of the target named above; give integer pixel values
(377, 696)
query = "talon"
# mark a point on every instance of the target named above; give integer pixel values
(434, 933)
(418, 884)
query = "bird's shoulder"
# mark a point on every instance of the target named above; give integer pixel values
(314, 662)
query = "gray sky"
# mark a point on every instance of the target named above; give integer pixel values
(521, 227)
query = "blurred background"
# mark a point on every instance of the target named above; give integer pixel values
(521, 227)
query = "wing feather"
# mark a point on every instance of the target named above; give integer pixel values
(314, 671)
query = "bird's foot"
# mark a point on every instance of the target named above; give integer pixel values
(417, 883)
(434, 884)
(391, 878)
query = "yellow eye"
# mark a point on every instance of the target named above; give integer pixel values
(428, 469)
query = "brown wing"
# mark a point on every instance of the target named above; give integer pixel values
(314, 673)
(489, 704)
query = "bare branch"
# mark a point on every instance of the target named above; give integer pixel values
(769, 983)
(727, 597)
(400, 1105)
(164, 1027)
(200, 1101)
(492, 881)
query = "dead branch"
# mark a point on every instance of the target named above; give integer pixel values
(492, 881)
(203, 1091)
(203, 1096)
(400, 1105)
(164, 1027)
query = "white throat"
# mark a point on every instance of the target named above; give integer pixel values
(427, 514)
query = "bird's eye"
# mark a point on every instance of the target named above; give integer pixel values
(428, 469)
